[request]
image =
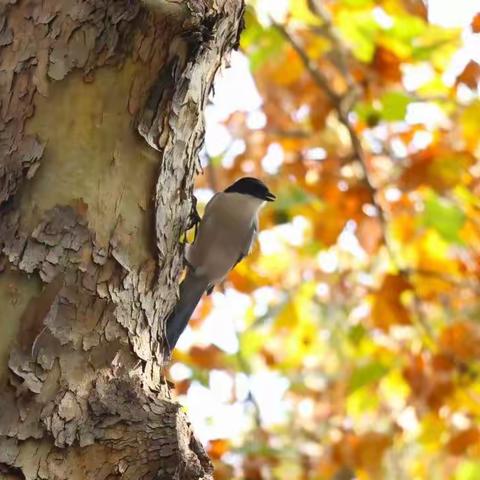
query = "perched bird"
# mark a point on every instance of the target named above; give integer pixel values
(225, 235)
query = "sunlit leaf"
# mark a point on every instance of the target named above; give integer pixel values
(444, 216)
(300, 12)
(432, 428)
(469, 120)
(359, 28)
(404, 35)
(366, 375)
(260, 43)
(468, 470)
(394, 105)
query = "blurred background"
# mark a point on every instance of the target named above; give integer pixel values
(347, 346)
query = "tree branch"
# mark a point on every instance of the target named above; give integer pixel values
(320, 79)
(343, 104)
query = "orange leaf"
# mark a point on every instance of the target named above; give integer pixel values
(287, 76)
(241, 281)
(416, 7)
(470, 75)
(201, 311)
(361, 451)
(328, 225)
(370, 234)
(320, 109)
(387, 64)
(217, 448)
(371, 449)
(430, 379)
(387, 307)
(438, 166)
(207, 357)
(462, 341)
(181, 387)
(253, 466)
(476, 23)
(460, 441)
(269, 357)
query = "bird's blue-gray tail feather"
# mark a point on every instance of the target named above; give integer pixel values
(191, 291)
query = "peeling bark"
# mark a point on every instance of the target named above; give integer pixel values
(101, 120)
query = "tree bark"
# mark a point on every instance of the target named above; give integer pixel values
(101, 120)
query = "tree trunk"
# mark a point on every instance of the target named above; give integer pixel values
(101, 120)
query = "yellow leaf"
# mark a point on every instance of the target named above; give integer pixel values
(469, 121)
(432, 429)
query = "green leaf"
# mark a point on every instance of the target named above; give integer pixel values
(293, 197)
(394, 106)
(216, 161)
(452, 168)
(360, 29)
(356, 334)
(366, 375)
(468, 470)
(360, 403)
(407, 28)
(444, 217)
(436, 45)
(401, 37)
(367, 113)
(260, 44)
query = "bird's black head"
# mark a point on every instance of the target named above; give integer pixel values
(251, 186)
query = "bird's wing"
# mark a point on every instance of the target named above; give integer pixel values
(252, 235)
(192, 250)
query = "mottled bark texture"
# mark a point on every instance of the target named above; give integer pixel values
(101, 120)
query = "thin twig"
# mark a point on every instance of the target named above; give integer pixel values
(330, 32)
(343, 104)
(320, 79)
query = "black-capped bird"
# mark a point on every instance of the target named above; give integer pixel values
(225, 235)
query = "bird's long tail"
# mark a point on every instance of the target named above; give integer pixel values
(191, 291)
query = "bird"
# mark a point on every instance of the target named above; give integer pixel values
(225, 235)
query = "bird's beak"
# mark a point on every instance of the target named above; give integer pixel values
(270, 197)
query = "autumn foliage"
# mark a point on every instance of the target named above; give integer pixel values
(364, 292)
